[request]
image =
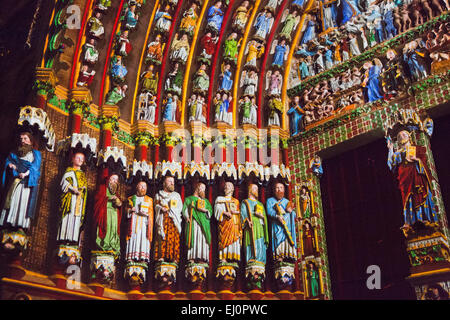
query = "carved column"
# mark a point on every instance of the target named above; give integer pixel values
(103, 262)
(426, 227)
(312, 270)
(44, 86)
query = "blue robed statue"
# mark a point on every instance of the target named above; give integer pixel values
(349, 10)
(282, 214)
(215, 16)
(296, 114)
(20, 182)
(371, 82)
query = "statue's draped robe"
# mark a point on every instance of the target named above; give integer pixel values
(198, 230)
(72, 206)
(415, 185)
(260, 231)
(168, 226)
(140, 229)
(229, 229)
(107, 220)
(20, 202)
(283, 237)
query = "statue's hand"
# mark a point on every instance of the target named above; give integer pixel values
(165, 209)
(280, 219)
(117, 202)
(143, 213)
(259, 215)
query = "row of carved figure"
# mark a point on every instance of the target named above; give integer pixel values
(384, 78)
(201, 81)
(122, 47)
(178, 55)
(222, 100)
(157, 222)
(243, 223)
(323, 47)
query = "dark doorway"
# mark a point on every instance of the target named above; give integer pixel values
(363, 215)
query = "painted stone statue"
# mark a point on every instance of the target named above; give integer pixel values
(227, 214)
(255, 237)
(282, 213)
(139, 235)
(408, 162)
(168, 206)
(107, 217)
(283, 236)
(20, 183)
(73, 205)
(197, 212)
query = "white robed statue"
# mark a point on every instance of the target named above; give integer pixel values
(22, 168)
(73, 201)
(140, 227)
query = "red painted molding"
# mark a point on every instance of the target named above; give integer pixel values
(77, 47)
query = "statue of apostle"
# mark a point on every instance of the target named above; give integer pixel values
(73, 201)
(168, 205)
(409, 164)
(197, 212)
(226, 212)
(107, 215)
(280, 210)
(254, 220)
(21, 178)
(140, 225)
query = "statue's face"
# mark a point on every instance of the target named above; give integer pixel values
(253, 190)
(141, 188)
(229, 188)
(169, 184)
(113, 183)
(403, 137)
(279, 191)
(201, 189)
(114, 179)
(25, 140)
(390, 54)
(78, 160)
